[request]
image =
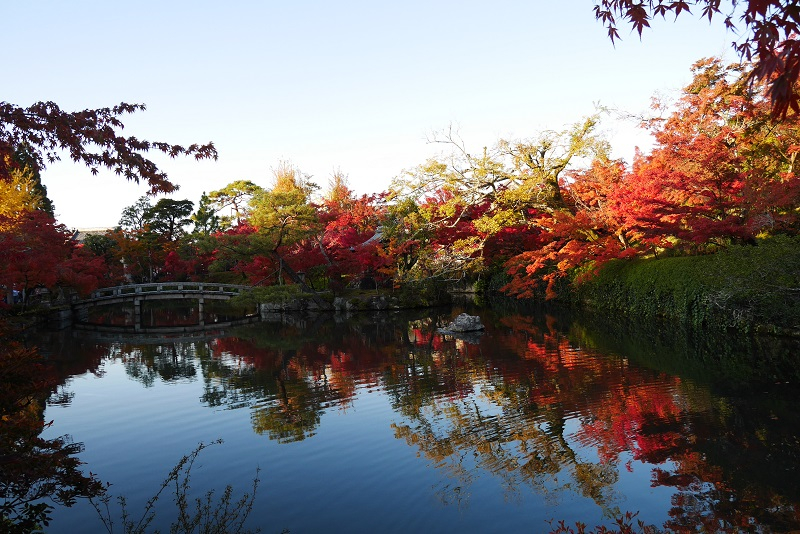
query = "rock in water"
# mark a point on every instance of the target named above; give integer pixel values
(464, 323)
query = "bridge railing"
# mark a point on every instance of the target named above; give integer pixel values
(167, 287)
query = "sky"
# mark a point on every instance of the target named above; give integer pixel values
(350, 86)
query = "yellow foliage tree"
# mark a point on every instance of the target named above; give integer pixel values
(18, 194)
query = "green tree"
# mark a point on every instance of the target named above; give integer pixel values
(107, 246)
(169, 217)
(166, 218)
(134, 216)
(236, 196)
(101, 245)
(539, 164)
(205, 219)
(284, 216)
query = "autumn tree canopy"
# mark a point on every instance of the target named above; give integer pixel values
(722, 172)
(450, 211)
(36, 251)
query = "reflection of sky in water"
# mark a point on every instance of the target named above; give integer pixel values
(354, 439)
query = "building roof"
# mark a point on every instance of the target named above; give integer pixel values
(80, 234)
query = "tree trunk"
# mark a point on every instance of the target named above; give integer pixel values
(285, 267)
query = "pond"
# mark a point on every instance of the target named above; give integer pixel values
(375, 422)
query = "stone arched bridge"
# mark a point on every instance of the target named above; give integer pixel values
(138, 293)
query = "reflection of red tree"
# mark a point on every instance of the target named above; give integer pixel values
(245, 351)
(657, 419)
(425, 338)
(74, 358)
(636, 416)
(341, 365)
(37, 251)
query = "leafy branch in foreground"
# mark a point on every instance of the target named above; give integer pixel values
(92, 137)
(623, 525)
(203, 515)
(767, 36)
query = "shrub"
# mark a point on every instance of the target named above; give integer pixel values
(745, 287)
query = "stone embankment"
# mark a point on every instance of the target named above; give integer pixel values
(350, 303)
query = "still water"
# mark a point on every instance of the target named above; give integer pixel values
(377, 423)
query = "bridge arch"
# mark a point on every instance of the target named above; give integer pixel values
(139, 293)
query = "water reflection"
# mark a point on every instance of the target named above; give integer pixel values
(35, 473)
(172, 313)
(544, 405)
(167, 362)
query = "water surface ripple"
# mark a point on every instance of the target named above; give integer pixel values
(379, 423)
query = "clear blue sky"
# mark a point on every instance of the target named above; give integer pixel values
(354, 86)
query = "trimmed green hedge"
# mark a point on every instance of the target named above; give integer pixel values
(751, 288)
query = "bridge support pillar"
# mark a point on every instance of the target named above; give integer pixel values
(137, 314)
(200, 311)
